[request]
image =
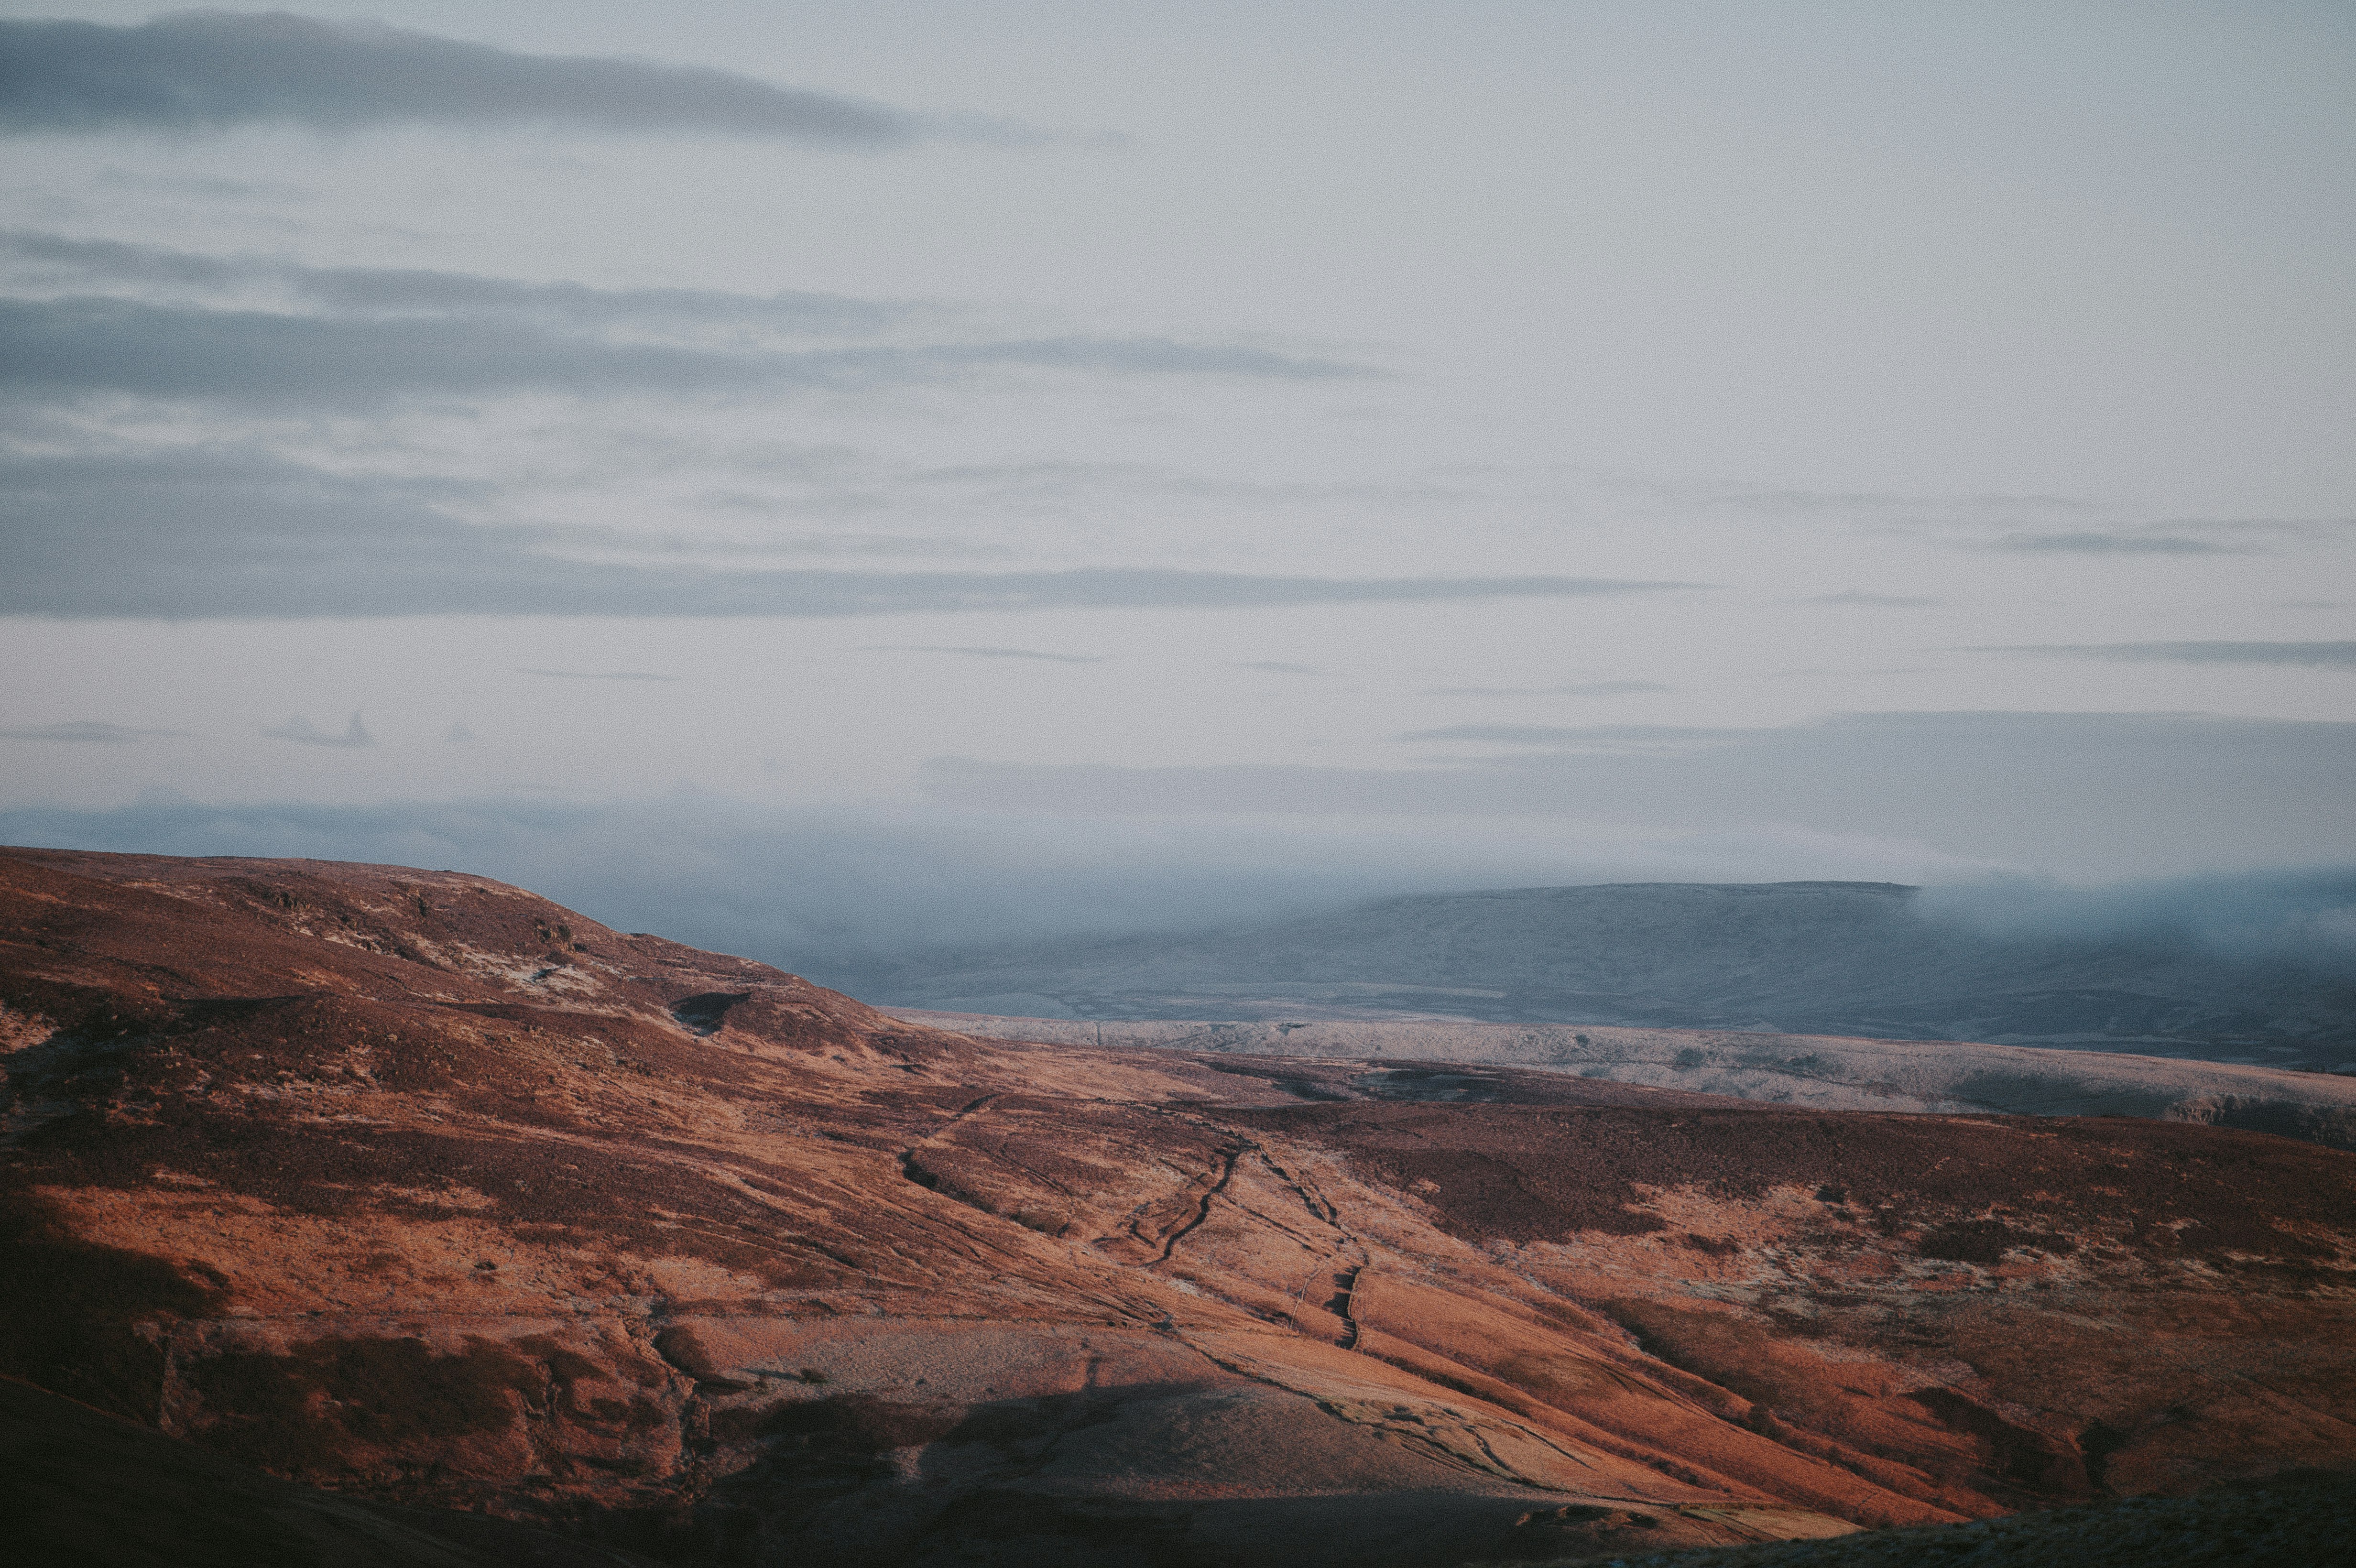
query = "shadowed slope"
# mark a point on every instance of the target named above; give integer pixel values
(77, 1487)
(418, 1187)
(2299, 1519)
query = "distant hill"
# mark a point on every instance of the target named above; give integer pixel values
(1827, 958)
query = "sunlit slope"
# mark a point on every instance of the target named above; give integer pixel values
(423, 1189)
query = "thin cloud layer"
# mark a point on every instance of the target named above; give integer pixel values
(2309, 656)
(88, 733)
(211, 535)
(2089, 542)
(101, 519)
(205, 71)
(85, 319)
(44, 263)
(83, 346)
(2099, 794)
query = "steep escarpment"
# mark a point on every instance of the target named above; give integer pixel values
(418, 1189)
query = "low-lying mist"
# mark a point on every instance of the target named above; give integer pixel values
(843, 891)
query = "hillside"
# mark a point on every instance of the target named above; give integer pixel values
(422, 1191)
(1860, 959)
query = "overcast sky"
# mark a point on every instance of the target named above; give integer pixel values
(1499, 442)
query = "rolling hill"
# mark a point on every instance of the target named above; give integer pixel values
(425, 1194)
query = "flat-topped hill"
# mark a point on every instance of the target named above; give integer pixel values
(1854, 959)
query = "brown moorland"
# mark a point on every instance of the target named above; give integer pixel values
(419, 1190)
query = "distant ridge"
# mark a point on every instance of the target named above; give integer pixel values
(1855, 959)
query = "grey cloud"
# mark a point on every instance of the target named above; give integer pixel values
(55, 260)
(457, 735)
(301, 728)
(1277, 667)
(87, 731)
(980, 653)
(2091, 792)
(1870, 508)
(210, 534)
(209, 70)
(378, 290)
(72, 348)
(595, 675)
(1572, 688)
(2097, 543)
(86, 346)
(51, 258)
(2311, 656)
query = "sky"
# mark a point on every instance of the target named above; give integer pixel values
(913, 471)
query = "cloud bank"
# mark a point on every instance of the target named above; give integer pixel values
(105, 346)
(207, 70)
(827, 893)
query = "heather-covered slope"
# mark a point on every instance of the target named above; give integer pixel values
(420, 1188)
